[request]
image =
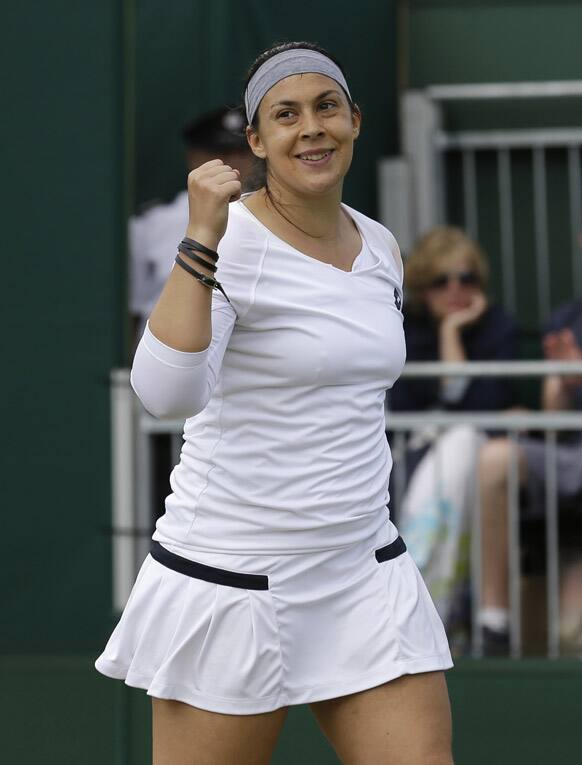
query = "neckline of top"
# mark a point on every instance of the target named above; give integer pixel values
(304, 255)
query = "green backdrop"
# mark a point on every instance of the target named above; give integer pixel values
(62, 236)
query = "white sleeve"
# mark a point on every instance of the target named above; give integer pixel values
(172, 383)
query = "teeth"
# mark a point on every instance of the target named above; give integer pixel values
(315, 157)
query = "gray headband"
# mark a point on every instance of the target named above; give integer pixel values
(276, 68)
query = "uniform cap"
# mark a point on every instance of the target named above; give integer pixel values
(220, 130)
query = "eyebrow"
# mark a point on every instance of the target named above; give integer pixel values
(317, 98)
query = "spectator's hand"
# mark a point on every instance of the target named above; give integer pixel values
(210, 188)
(464, 316)
(563, 346)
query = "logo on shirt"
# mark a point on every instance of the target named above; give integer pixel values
(397, 299)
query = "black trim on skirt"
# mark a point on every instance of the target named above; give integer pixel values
(207, 573)
(393, 550)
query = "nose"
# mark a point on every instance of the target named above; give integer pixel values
(311, 126)
(455, 287)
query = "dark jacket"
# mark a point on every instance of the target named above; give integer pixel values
(493, 337)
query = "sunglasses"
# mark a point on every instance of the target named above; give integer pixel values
(465, 279)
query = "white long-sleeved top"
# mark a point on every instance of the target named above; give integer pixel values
(284, 445)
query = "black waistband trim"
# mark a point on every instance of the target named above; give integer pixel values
(393, 550)
(207, 573)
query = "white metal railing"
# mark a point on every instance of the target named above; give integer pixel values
(426, 144)
(133, 511)
(548, 89)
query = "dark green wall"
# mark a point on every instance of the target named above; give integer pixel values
(491, 41)
(61, 134)
(193, 56)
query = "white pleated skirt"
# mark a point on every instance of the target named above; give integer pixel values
(330, 623)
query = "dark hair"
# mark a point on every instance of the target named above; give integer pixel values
(259, 174)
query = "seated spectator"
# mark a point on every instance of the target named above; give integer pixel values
(154, 235)
(562, 342)
(447, 317)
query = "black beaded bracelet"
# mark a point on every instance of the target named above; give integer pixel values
(193, 244)
(208, 281)
(190, 253)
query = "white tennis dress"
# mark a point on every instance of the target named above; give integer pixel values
(276, 576)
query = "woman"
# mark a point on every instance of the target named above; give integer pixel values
(276, 576)
(448, 318)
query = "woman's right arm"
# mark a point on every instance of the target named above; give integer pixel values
(178, 384)
(181, 317)
(177, 359)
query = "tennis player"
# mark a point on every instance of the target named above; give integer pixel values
(276, 576)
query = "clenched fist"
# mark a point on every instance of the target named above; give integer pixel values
(210, 189)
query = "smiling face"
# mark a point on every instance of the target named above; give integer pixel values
(306, 134)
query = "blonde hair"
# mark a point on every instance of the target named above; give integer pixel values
(429, 258)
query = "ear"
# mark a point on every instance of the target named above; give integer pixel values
(255, 143)
(356, 121)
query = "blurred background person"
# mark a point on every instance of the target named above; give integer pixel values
(562, 342)
(448, 317)
(153, 233)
